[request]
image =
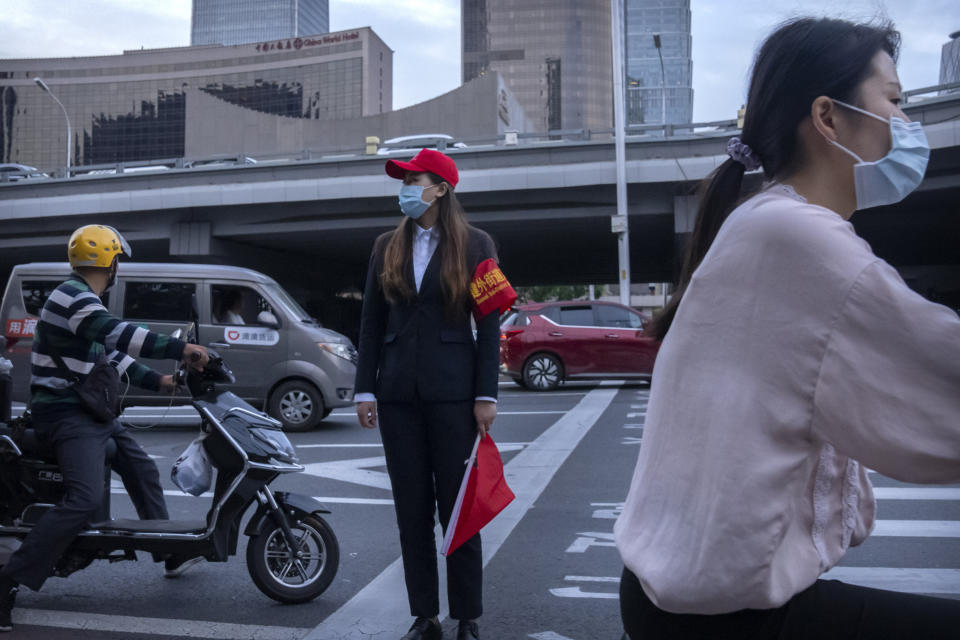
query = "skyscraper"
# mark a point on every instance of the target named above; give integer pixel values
(553, 54)
(950, 61)
(244, 21)
(670, 19)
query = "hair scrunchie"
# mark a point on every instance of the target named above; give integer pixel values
(743, 154)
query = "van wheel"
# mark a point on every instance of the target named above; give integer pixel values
(298, 405)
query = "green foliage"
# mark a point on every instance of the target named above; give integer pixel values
(550, 293)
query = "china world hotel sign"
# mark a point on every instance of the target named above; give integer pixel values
(300, 43)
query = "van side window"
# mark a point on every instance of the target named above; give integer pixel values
(235, 305)
(158, 301)
(35, 294)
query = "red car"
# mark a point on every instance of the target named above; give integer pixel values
(543, 344)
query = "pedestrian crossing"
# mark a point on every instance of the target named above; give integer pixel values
(933, 538)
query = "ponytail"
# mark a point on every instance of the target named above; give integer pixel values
(719, 194)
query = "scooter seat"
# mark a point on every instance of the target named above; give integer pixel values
(31, 443)
(151, 526)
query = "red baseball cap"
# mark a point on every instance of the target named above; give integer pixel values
(427, 160)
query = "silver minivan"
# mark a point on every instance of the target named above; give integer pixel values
(283, 360)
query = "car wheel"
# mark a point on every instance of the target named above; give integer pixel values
(298, 405)
(542, 372)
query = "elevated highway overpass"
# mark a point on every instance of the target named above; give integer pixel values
(311, 223)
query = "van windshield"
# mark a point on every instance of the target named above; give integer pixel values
(287, 300)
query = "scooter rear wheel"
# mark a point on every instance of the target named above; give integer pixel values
(294, 582)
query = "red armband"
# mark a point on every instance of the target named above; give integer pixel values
(490, 289)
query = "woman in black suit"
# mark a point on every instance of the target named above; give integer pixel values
(433, 385)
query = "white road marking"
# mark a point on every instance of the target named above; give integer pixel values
(592, 579)
(380, 611)
(908, 580)
(916, 493)
(918, 528)
(153, 626)
(636, 414)
(548, 635)
(499, 413)
(338, 446)
(355, 470)
(631, 440)
(577, 592)
(589, 539)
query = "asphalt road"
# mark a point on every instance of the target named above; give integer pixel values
(552, 571)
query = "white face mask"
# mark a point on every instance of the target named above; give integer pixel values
(894, 176)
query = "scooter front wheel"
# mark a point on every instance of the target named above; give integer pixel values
(302, 578)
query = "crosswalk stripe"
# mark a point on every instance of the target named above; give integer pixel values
(918, 528)
(153, 626)
(895, 579)
(916, 493)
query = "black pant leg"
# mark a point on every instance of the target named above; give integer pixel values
(833, 609)
(452, 431)
(81, 459)
(827, 610)
(405, 446)
(140, 476)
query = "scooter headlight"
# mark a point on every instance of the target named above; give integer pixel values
(278, 444)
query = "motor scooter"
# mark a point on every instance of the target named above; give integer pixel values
(292, 553)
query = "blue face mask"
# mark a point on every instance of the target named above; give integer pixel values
(411, 200)
(894, 176)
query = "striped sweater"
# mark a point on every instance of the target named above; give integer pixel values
(75, 325)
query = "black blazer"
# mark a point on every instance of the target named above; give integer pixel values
(413, 349)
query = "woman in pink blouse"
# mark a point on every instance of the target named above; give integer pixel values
(792, 359)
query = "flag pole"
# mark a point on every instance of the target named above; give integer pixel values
(448, 536)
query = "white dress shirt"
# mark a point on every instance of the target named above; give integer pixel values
(425, 243)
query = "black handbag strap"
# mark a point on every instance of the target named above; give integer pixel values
(71, 376)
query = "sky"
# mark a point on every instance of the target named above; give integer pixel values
(425, 36)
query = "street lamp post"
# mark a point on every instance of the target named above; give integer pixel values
(43, 85)
(663, 85)
(620, 223)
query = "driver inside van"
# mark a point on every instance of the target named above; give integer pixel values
(231, 307)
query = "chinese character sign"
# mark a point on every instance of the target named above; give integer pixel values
(490, 289)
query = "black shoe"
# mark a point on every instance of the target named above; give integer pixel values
(468, 630)
(424, 629)
(176, 567)
(8, 594)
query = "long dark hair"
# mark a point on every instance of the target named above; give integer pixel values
(454, 278)
(803, 59)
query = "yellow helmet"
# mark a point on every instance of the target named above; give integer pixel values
(96, 245)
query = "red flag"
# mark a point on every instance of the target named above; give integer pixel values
(490, 289)
(483, 494)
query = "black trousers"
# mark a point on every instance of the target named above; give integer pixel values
(828, 609)
(426, 445)
(80, 444)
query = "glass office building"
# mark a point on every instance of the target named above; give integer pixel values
(245, 21)
(950, 62)
(656, 95)
(135, 106)
(553, 54)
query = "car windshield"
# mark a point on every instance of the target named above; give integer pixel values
(287, 300)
